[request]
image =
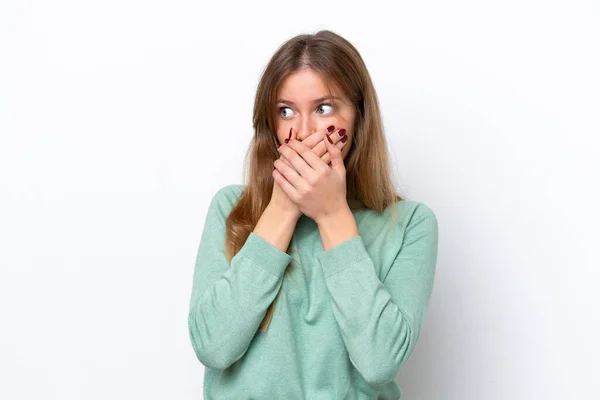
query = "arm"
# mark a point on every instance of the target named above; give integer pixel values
(276, 227)
(380, 321)
(227, 302)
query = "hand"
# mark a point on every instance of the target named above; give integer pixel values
(317, 144)
(282, 202)
(317, 189)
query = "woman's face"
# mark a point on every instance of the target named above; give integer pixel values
(304, 105)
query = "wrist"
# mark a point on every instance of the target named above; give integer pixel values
(330, 219)
(285, 214)
(337, 228)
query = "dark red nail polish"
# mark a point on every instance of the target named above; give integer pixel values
(274, 168)
(328, 138)
(342, 132)
(278, 144)
(330, 128)
(344, 138)
(290, 136)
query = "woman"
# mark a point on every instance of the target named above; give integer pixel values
(339, 315)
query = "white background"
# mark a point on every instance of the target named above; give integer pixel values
(120, 119)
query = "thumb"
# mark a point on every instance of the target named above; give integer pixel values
(337, 163)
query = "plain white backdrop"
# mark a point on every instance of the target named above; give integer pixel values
(120, 119)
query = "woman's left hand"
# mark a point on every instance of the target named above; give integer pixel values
(319, 190)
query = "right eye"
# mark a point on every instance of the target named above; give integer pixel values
(283, 108)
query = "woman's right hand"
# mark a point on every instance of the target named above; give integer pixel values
(279, 197)
(317, 144)
(281, 201)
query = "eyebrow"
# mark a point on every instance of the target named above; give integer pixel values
(320, 99)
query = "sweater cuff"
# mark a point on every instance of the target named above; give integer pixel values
(265, 255)
(345, 254)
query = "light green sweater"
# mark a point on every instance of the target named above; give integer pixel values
(345, 322)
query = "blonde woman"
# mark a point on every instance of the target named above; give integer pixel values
(312, 279)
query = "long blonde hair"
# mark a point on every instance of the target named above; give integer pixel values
(368, 179)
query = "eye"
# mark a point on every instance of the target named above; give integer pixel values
(326, 105)
(283, 108)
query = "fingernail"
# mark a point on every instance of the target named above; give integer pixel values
(342, 132)
(290, 136)
(330, 128)
(279, 144)
(328, 138)
(343, 139)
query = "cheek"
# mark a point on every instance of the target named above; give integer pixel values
(280, 135)
(348, 145)
(283, 133)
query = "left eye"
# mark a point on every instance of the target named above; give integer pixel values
(325, 105)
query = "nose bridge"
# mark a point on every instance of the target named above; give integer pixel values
(306, 127)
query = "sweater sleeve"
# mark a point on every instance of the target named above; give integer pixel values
(380, 321)
(228, 302)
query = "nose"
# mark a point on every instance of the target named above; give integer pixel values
(305, 129)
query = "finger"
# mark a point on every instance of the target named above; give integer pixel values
(320, 149)
(327, 157)
(337, 163)
(286, 186)
(290, 152)
(288, 172)
(302, 157)
(314, 139)
(285, 160)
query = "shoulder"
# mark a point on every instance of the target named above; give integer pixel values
(422, 211)
(421, 225)
(228, 193)
(416, 216)
(410, 211)
(226, 197)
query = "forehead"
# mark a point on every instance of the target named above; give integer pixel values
(304, 85)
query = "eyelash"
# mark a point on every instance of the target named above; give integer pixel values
(322, 104)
